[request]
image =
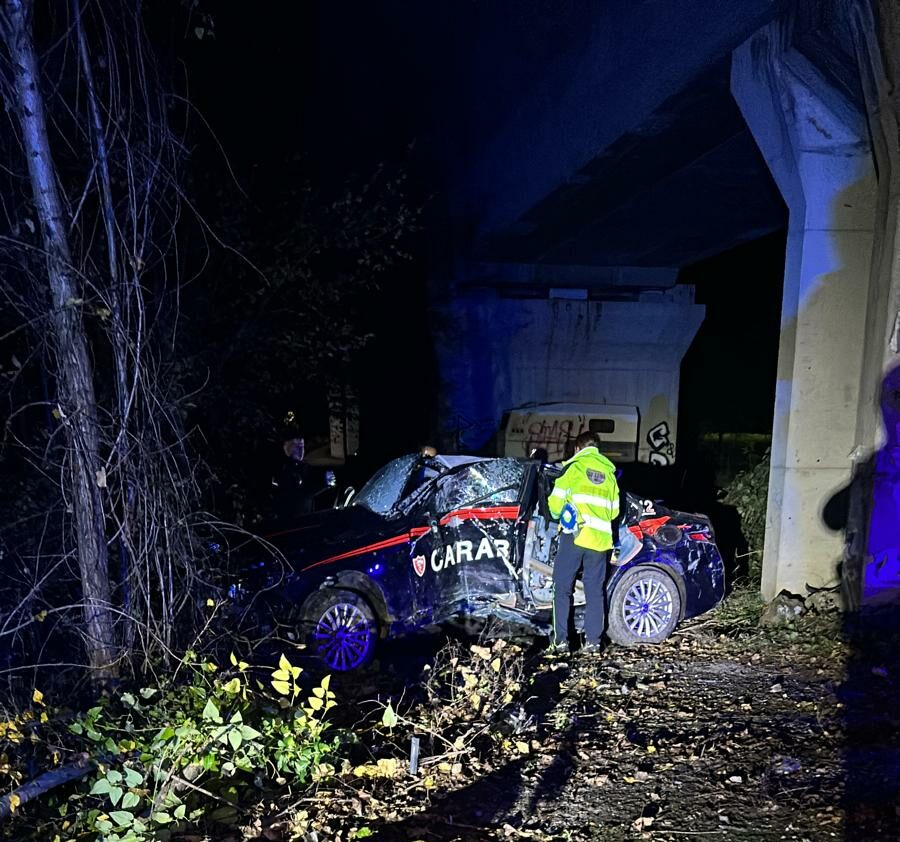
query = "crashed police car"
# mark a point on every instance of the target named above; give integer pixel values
(466, 541)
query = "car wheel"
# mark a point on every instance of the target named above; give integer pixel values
(644, 608)
(341, 628)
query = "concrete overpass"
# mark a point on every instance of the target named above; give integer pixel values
(602, 147)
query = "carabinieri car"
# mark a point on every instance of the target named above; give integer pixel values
(460, 540)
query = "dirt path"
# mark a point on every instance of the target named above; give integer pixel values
(788, 735)
(677, 741)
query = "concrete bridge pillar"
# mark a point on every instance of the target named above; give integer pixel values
(816, 144)
(833, 151)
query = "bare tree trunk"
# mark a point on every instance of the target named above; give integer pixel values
(119, 343)
(74, 376)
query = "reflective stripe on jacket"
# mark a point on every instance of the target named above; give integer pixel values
(589, 484)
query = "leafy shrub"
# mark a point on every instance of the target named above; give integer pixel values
(748, 492)
(184, 752)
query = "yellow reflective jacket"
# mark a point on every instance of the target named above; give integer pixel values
(589, 484)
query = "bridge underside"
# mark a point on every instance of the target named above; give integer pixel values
(581, 161)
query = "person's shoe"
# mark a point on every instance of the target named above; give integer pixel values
(559, 650)
(591, 649)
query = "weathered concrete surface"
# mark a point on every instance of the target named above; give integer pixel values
(815, 141)
(497, 353)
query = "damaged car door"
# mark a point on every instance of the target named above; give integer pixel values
(466, 554)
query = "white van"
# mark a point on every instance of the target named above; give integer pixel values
(552, 426)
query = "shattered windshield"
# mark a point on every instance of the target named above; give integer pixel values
(483, 483)
(381, 493)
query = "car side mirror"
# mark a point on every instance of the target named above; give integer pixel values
(344, 499)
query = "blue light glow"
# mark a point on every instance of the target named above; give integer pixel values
(882, 572)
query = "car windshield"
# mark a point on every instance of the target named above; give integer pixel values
(383, 491)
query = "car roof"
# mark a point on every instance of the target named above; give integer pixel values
(456, 461)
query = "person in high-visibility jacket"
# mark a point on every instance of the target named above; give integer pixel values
(585, 499)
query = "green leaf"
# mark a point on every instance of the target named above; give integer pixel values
(389, 717)
(166, 734)
(282, 687)
(129, 800)
(122, 817)
(249, 733)
(114, 776)
(235, 739)
(133, 777)
(161, 817)
(211, 712)
(180, 810)
(115, 793)
(285, 669)
(100, 787)
(148, 692)
(128, 700)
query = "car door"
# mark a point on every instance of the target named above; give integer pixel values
(465, 555)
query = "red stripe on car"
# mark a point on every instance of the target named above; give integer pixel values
(368, 548)
(498, 513)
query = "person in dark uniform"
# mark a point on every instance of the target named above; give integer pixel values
(294, 482)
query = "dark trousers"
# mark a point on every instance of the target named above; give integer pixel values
(571, 558)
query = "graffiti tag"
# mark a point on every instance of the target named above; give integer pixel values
(552, 435)
(662, 449)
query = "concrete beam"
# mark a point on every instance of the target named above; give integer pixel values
(588, 277)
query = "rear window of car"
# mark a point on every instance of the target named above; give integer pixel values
(492, 482)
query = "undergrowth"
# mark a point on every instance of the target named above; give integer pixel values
(748, 493)
(143, 764)
(213, 743)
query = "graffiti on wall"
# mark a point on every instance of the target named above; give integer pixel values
(552, 435)
(662, 448)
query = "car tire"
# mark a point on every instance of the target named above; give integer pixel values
(340, 627)
(645, 607)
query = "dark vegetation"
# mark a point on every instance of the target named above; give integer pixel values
(157, 327)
